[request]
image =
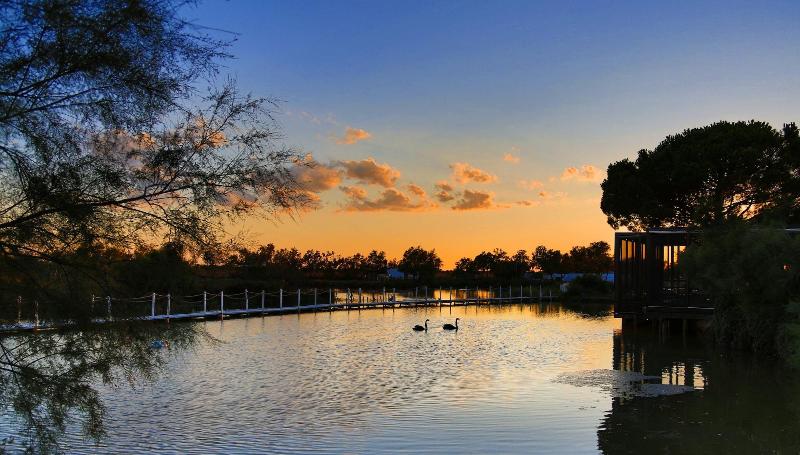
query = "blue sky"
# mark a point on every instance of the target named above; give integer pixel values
(557, 85)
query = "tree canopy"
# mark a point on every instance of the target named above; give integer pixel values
(705, 176)
(419, 262)
(752, 274)
(106, 140)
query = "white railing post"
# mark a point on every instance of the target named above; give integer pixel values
(359, 296)
(246, 300)
(520, 292)
(315, 296)
(384, 294)
(262, 299)
(280, 299)
(153, 306)
(298, 297)
(108, 305)
(169, 303)
(416, 293)
(221, 304)
(36, 313)
(19, 309)
(205, 302)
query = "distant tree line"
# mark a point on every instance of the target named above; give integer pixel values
(171, 268)
(594, 258)
(417, 263)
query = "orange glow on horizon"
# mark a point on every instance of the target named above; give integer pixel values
(453, 234)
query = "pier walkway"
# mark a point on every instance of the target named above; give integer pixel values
(165, 307)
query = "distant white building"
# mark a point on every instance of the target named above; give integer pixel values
(568, 277)
(395, 274)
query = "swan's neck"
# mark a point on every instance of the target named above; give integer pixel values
(426, 325)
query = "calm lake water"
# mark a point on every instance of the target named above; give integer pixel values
(363, 382)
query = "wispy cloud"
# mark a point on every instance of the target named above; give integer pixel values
(444, 191)
(465, 172)
(586, 173)
(354, 192)
(530, 185)
(443, 185)
(312, 118)
(369, 171)
(444, 196)
(314, 176)
(390, 199)
(416, 190)
(550, 196)
(510, 158)
(528, 203)
(353, 135)
(475, 200)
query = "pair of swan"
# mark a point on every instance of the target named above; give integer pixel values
(419, 328)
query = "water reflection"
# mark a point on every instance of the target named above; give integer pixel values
(49, 379)
(363, 382)
(743, 404)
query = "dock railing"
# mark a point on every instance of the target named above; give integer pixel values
(208, 305)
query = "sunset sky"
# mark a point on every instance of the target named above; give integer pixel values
(465, 126)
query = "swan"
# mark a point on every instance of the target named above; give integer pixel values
(451, 326)
(419, 328)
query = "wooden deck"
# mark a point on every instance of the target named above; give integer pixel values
(265, 311)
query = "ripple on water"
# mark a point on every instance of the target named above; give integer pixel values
(363, 382)
(622, 384)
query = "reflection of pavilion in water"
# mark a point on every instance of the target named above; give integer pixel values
(746, 405)
(678, 361)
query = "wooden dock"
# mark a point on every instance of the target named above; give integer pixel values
(164, 307)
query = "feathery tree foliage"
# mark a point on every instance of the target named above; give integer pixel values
(102, 140)
(106, 142)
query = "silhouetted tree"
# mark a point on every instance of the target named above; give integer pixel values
(521, 262)
(420, 263)
(483, 263)
(595, 258)
(376, 264)
(464, 268)
(704, 176)
(100, 144)
(547, 261)
(106, 143)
